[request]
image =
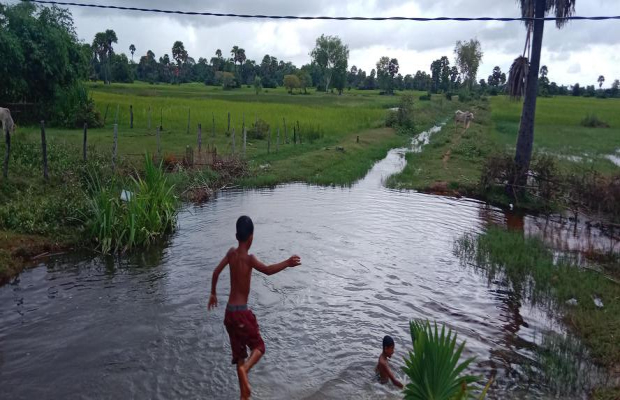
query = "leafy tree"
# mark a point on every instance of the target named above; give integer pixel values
(331, 55)
(576, 90)
(291, 82)
(468, 57)
(268, 69)
(497, 78)
(436, 75)
(525, 140)
(386, 70)
(305, 80)
(40, 54)
(120, 70)
(600, 80)
(615, 88)
(543, 81)
(226, 79)
(132, 49)
(218, 53)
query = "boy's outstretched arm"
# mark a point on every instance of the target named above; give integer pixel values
(387, 371)
(395, 381)
(275, 268)
(216, 276)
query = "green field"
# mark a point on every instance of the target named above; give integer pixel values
(453, 160)
(325, 121)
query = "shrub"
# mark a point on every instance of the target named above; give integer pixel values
(592, 121)
(391, 118)
(425, 97)
(73, 107)
(259, 130)
(465, 96)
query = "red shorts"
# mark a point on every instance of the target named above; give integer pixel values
(243, 332)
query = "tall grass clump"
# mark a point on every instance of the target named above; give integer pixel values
(434, 366)
(591, 120)
(147, 211)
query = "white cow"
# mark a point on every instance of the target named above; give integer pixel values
(464, 117)
(7, 121)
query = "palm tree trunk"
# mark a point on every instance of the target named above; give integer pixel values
(525, 140)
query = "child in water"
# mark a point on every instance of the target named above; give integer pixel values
(383, 369)
(240, 322)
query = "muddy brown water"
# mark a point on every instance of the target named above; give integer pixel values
(85, 327)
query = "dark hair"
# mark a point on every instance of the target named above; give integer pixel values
(388, 341)
(245, 228)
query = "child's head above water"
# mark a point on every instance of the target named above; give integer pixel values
(388, 346)
(245, 229)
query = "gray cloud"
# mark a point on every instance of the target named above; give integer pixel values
(417, 43)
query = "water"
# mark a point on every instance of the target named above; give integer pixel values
(137, 327)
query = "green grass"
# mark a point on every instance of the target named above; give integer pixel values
(559, 131)
(534, 273)
(333, 120)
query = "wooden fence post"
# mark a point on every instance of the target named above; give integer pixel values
(118, 107)
(245, 139)
(105, 116)
(299, 133)
(189, 118)
(7, 151)
(294, 134)
(233, 141)
(44, 152)
(278, 140)
(285, 135)
(114, 146)
(85, 141)
(199, 139)
(228, 130)
(130, 116)
(161, 119)
(269, 142)
(150, 119)
(159, 143)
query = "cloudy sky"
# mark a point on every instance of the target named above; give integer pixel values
(580, 52)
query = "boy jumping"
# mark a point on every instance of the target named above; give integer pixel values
(240, 322)
(383, 369)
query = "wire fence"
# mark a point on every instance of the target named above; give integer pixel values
(332, 18)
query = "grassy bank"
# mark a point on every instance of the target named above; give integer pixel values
(537, 276)
(453, 161)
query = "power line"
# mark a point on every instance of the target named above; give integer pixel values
(294, 17)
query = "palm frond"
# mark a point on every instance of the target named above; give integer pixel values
(562, 9)
(517, 78)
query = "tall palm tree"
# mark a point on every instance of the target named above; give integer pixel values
(132, 49)
(562, 9)
(600, 80)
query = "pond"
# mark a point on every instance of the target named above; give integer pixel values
(86, 327)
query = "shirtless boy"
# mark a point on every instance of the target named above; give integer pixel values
(383, 368)
(240, 322)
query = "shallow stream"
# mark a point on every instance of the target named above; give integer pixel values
(85, 327)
